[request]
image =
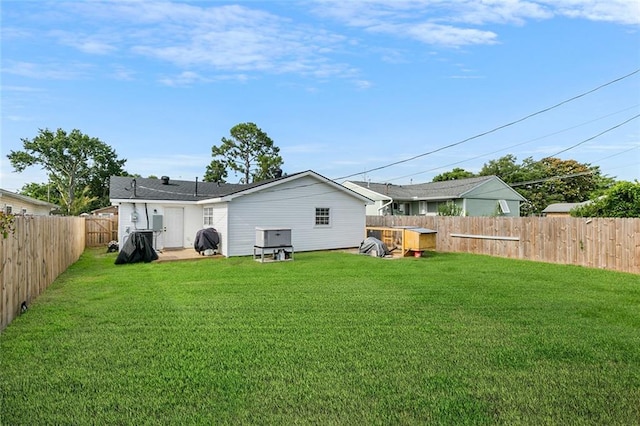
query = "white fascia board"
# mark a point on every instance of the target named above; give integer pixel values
(372, 195)
(115, 201)
(210, 201)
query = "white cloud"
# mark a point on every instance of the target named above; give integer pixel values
(51, 71)
(625, 12)
(209, 41)
(447, 35)
(198, 37)
(447, 22)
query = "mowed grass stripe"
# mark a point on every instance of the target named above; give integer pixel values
(329, 338)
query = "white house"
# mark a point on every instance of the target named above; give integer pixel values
(321, 213)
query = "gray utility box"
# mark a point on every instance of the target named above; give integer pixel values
(273, 237)
(156, 222)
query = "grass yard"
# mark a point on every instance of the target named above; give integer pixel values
(330, 338)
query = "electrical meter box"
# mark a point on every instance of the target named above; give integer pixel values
(156, 222)
(273, 237)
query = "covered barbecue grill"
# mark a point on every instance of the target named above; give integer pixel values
(206, 241)
(373, 246)
(136, 248)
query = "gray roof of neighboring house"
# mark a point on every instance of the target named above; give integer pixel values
(433, 190)
(34, 201)
(563, 207)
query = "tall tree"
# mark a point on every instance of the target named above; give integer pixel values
(456, 173)
(249, 152)
(549, 180)
(78, 167)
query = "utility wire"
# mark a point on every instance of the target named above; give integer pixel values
(598, 135)
(495, 129)
(529, 182)
(513, 146)
(618, 153)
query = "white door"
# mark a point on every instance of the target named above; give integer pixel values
(174, 227)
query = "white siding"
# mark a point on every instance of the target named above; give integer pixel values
(220, 223)
(292, 205)
(192, 221)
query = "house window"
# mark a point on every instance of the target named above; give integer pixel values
(504, 207)
(207, 218)
(322, 216)
(8, 209)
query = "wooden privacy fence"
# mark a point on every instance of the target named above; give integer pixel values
(40, 249)
(101, 230)
(598, 242)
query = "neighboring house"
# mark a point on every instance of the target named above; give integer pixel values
(477, 196)
(561, 209)
(12, 203)
(321, 213)
(108, 211)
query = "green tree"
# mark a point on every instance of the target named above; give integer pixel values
(507, 169)
(621, 200)
(549, 180)
(249, 152)
(78, 167)
(216, 172)
(41, 191)
(456, 173)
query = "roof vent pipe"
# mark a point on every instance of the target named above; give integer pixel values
(165, 180)
(196, 192)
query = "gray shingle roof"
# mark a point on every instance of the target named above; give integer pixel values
(121, 187)
(445, 190)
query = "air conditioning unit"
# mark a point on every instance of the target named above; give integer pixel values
(273, 237)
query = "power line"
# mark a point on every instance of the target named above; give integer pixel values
(515, 145)
(596, 136)
(618, 153)
(529, 182)
(495, 129)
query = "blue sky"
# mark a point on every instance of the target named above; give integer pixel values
(341, 87)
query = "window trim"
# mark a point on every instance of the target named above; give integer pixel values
(322, 214)
(207, 219)
(504, 206)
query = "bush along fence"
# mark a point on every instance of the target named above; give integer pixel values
(593, 242)
(35, 251)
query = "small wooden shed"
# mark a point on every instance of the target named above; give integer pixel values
(411, 240)
(417, 240)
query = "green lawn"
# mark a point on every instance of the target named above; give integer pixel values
(330, 338)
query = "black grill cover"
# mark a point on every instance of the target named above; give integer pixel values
(206, 239)
(136, 248)
(370, 243)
